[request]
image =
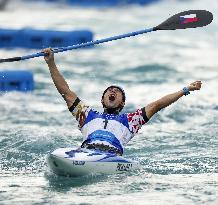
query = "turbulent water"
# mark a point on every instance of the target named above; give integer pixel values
(178, 148)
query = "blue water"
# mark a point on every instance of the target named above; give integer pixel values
(178, 148)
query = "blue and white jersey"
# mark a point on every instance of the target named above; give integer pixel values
(108, 129)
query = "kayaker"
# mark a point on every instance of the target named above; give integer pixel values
(109, 131)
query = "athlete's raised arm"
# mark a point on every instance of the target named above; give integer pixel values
(59, 81)
(167, 100)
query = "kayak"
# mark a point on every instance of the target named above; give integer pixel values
(77, 162)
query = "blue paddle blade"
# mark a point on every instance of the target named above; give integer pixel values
(187, 19)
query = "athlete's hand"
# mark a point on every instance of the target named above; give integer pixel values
(49, 57)
(195, 85)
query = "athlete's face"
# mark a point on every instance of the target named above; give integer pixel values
(113, 98)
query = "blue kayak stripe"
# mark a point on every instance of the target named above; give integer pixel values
(108, 158)
(112, 159)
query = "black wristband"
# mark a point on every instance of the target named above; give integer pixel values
(76, 102)
(144, 115)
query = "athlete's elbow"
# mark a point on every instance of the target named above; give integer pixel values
(64, 90)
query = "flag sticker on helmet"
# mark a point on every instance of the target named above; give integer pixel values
(188, 19)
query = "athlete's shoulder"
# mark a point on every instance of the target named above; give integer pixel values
(136, 120)
(139, 114)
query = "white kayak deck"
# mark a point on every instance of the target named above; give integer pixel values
(79, 162)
